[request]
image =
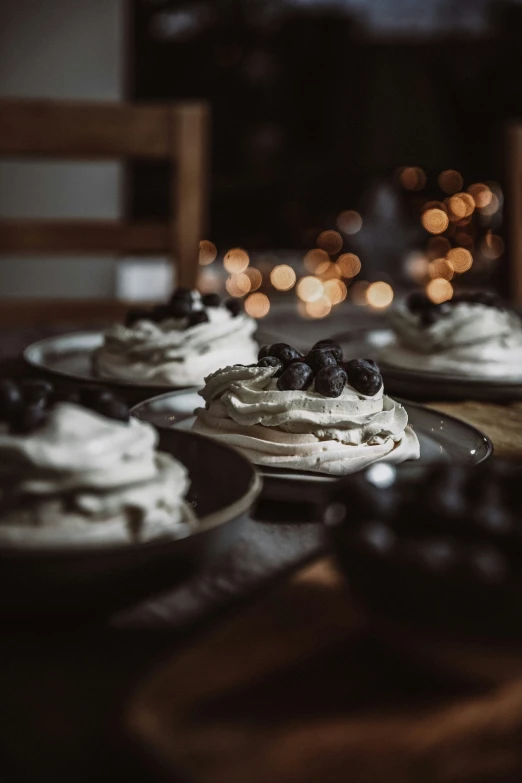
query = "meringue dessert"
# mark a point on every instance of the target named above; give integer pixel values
(472, 335)
(314, 413)
(177, 344)
(71, 476)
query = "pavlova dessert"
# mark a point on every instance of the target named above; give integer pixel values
(473, 335)
(315, 412)
(75, 470)
(179, 343)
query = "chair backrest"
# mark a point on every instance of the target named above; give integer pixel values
(177, 133)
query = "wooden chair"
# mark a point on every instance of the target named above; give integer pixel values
(177, 133)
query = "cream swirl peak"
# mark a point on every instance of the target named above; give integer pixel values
(177, 344)
(279, 423)
(81, 479)
(470, 336)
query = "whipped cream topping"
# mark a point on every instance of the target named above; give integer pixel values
(303, 430)
(468, 339)
(169, 353)
(82, 479)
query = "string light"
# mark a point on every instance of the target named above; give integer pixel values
(236, 260)
(481, 194)
(314, 258)
(255, 277)
(238, 285)
(358, 292)
(450, 181)
(207, 252)
(416, 266)
(492, 246)
(437, 247)
(439, 290)
(349, 264)
(310, 289)
(379, 295)
(330, 272)
(412, 178)
(320, 308)
(257, 305)
(492, 207)
(330, 241)
(460, 259)
(349, 221)
(283, 277)
(461, 205)
(335, 291)
(441, 267)
(435, 221)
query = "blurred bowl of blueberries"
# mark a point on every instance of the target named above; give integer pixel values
(435, 561)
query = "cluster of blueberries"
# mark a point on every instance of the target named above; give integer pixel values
(469, 527)
(24, 405)
(429, 312)
(181, 305)
(323, 365)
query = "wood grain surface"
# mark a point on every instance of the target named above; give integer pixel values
(501, 423)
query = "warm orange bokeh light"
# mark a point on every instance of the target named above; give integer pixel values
(412, 178)
(437, 247)
(318, 309)
(439, 290)
(349, 264)
(330, 272)
(283, 277)
(461, 260)
(349, 221)
(416, 266)
(492, 207)
(255, 277)
(441, 267)
(257, 305)
(450, 181)
(238, 285)
(335, 291)
(309, 289)
(379, 295)
(492, 246)
(207, 252)
(481, 194)
(461, 205)
(315, 258)
(358, 292)
(435, 221)
(330, 241)
(236, 260)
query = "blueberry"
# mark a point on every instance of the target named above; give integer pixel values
(297, 376)
(330, 381)
(319, 358)
(28, 418)
(211, 300)
(234, 306)
(36, 391)
(181, 294)
(331, 346)
(263, 351)
(271, 361)
(284, 352)
(363, 377)
(372, 363)
(136, 314)
(10, 397)
(198, 317)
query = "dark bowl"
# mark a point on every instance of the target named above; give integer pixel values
(441, 610)
(224, 485)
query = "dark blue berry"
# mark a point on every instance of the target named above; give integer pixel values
(28, 418)
(319, 358)
(181, 294)
(198, 317)
(363, 377)
(272, 361)
(330, 381)
(331, 346)
(297, 376)
(263, 351)
(211, 300)
(10, 397)
(136, 314)
(36, 391)
(284, 352)
(234, 306)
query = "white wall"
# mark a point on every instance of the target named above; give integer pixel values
(60, 49)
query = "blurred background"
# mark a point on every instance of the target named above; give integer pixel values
(358, 146)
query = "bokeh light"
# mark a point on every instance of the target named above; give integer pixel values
(450, 181)
(412, 178)
(319, 308)
(461, 259)
(461, 205)
(314, 258)
(416, 266)
(255, 277)
(379, 295)
(437, 247)
(349, 221)
(310, 289)
(207, 252)
(330, 241)
(492, 207)
(349, 264)
(257, 305)
(335, 291)
(481, 194)
(283, 277)
(439, 290)
(441, 267)
(435, 205)
(236, 260)
(492, 246)
(329, 272)
(358, 292)
(435, 221)
(238, 285)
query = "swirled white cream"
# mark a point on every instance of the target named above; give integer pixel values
(467, 339)
(84, 480)
(168, 353)
(303, 430)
